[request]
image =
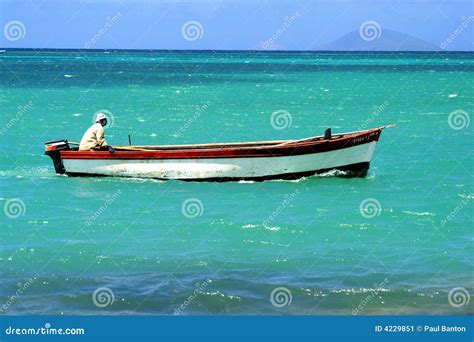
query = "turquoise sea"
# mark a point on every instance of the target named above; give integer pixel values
(397, 242)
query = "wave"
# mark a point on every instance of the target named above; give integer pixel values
(416, 213)
(28, 172)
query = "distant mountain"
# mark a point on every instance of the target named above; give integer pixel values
(378, 40)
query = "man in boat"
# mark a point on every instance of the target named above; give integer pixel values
(94, 139)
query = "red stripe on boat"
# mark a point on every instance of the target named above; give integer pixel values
(290, 149)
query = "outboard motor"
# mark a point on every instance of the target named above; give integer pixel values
(327, 134)
(52, 149)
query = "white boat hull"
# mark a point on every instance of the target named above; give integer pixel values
(224, 168)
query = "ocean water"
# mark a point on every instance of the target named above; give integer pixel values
(397, 242)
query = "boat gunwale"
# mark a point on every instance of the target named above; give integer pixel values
(255, 144)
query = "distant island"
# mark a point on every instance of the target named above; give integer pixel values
(378, 40)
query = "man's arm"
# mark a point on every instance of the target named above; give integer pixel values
(101, 139)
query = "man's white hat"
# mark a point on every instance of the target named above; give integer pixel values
(100, 116)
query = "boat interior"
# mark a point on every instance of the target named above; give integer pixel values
(252, 144)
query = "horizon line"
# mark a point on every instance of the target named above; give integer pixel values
(233, 50)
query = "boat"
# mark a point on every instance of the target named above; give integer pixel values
(349, 154)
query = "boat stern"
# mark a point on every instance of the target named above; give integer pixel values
(52, 149)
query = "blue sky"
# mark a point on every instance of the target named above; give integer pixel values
(228, 25)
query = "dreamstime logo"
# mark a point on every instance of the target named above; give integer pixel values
(377, 288)
(286, 202)
(192, 208)
(280, 297)
(465, 22)
(22, 110)
(21, 288)
(454, 212)
(458, 297)
(370, 207)
(191, 120)
(192, 30)
(288, 21)
(109, 21)
(108, 202)
(375, 114)
(458, 119)
(14, 208)
(370, 30)
(198, 291)
(103, 297)
(108, 114)
(281, 119)
(14, 30)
